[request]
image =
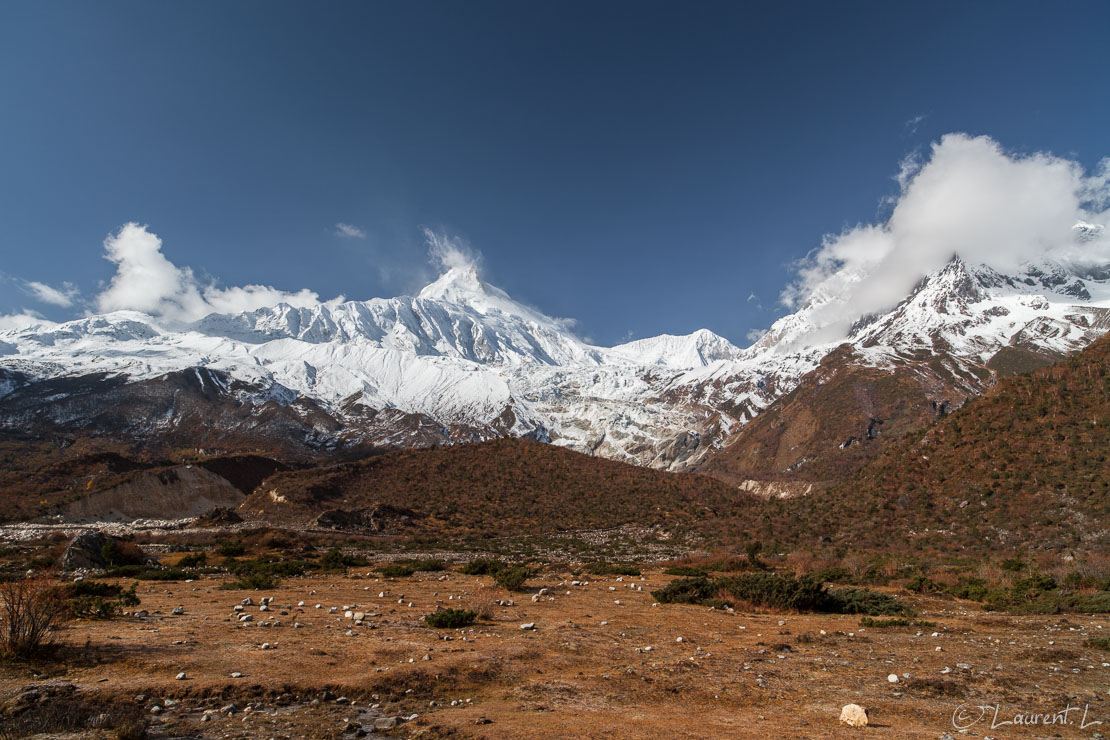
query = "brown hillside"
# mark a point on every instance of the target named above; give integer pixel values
(500, 488)
(1025, 465)
(834, 422)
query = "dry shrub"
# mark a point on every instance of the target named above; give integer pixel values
(801, 562)
(856, 564)
(32, 611)
(483, 601)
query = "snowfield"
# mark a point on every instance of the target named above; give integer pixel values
(463, 353)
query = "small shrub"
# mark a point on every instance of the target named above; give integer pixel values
(612, 569)
(146, 573)
(864, 601)
(832, 575)
(1099, 643)
(118, 552)
(773, 591)
(482, 567)
(1014, 564)
(98, 600)
(752, 550)
(922, 584)
(451, 618)
(193, 560)
(511, 577)
(251, 581)
(872, 623)
(968, 587)
(231, 549)
(33, 611)
(686, 591)
(687, 571)
(393, 570)
(425, 565)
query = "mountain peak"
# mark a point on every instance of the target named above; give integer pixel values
(457, 283)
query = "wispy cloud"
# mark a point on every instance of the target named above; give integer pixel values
(755, 335)
(913, 123)
(63, 297)
(347, 231)
(450, 252)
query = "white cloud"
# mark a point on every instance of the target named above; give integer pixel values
(969, 198)
(147, 281)
(63, 297)
(913, 123)
(755, 335)
(450, 252)
(349, 232)
(23, 320)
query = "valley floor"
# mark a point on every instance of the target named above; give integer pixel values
(602, 661)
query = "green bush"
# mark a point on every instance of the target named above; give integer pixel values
(511, 577)
(252, 581)
(146, 573)
(968, 587)
(863, 601)
(193, 560)
(922, 584)
(1099, 643)
(231, 549)
(687, 571)
(832, 575)
(872, 623)
(98, 600)
(401, 568)
(775, 591)
(686, 591)
(482, 567)
(278, 568)
(117, 553)
(785, 593)
(612, 569)
(451, 618)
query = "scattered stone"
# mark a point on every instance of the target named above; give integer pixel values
(236, 674)
(854, 715)
(528, 626)
(178, 610)
(385, 723)
(892, 678)
(181, 676)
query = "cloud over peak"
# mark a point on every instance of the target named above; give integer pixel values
(968, 197)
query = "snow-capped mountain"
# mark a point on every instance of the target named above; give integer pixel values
(462, 360)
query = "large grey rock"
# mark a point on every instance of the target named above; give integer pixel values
(84, 551)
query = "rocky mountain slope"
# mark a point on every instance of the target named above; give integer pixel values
(462, 361)
(1024, 466)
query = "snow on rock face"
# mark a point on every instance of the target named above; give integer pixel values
(691, 350)
(463, 354)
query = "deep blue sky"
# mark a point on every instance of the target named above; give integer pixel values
(642, 167)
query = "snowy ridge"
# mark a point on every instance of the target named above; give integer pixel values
(463, 354)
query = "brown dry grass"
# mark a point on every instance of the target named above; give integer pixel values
(743, 675)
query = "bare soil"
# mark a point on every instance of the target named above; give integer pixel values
(586, 670)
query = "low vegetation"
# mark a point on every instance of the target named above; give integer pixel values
(771, 591)
(33, 611)
(451, 618)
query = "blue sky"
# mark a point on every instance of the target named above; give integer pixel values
(641, 167)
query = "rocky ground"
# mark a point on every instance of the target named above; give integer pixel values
(600, 660)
